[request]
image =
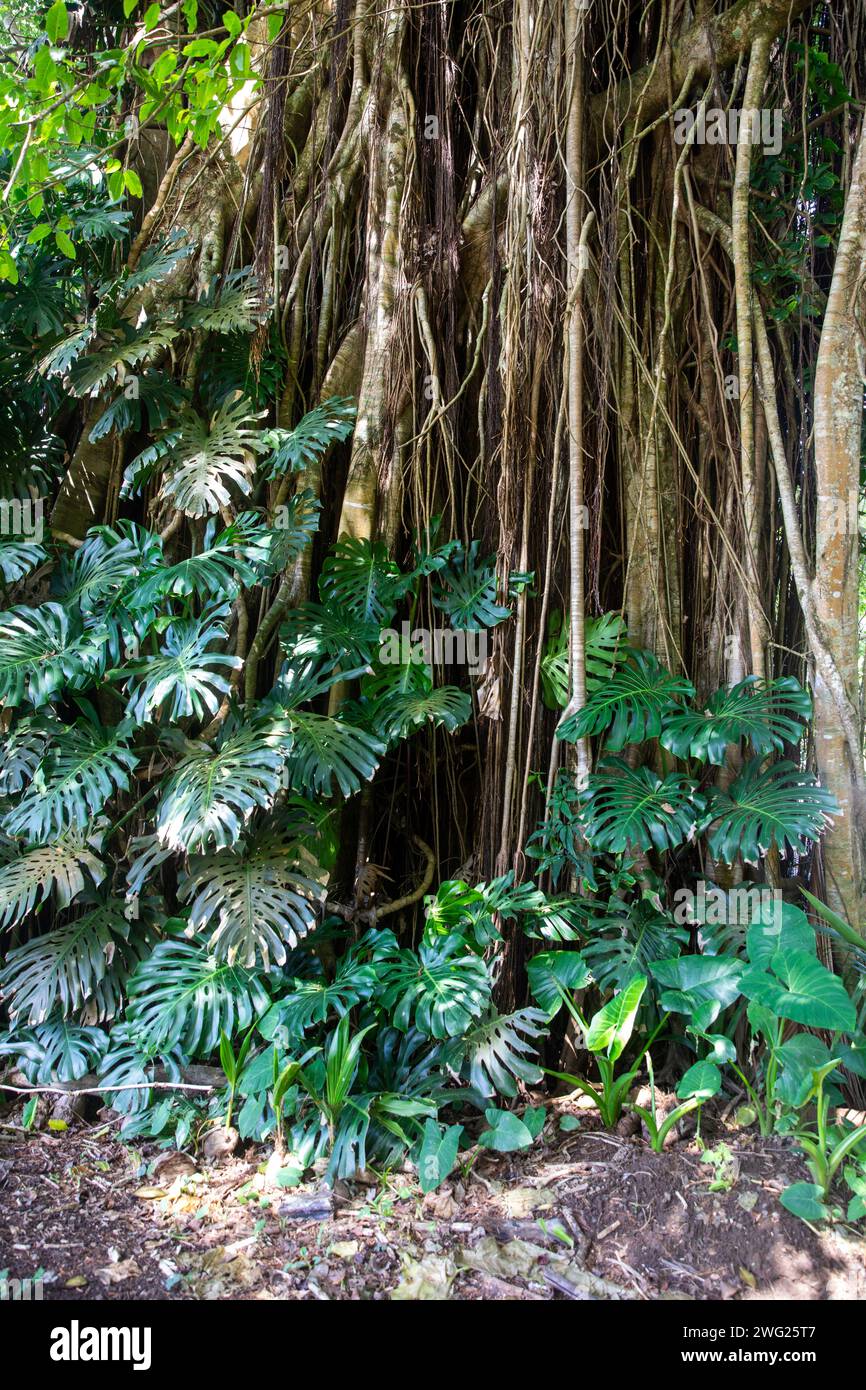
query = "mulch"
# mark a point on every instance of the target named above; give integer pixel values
(584, 1214)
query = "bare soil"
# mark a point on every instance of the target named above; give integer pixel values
(583, 1214)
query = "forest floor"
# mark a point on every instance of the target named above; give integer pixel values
(583, 1214)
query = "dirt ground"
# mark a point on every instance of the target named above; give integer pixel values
(584, 1214)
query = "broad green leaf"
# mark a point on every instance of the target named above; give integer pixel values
(702, 1080)
(803, 990)
(438, 1153)
(787, 929)
(700, 986)
(610, 1029)
(806, 1200)
(551, 972)
(507, 1132)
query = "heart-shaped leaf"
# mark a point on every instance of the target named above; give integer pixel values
(702, 1080)
(803, 990)
(700, 986)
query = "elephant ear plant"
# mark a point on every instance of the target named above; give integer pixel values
(553, 976)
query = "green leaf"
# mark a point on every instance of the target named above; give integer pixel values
(186, 678)
(499, 1052)
(507, 1133)
(468, 593)
(359, 579)
(438, 1153)
(700, 986)
(778, 805)
(806, 1200)
(76, 964)
(605, 645)
(182, 997)
(84, 767)
(610, 1029)
(205, 458)
(209, 798)
(322, 751)
(702, 1080)
(55, 1051)
(131, 181)
(799, 1057)
(63, 868)
(627, 808)
(442, 988)
(769, 714)
(295, 449)
(255, 899)
(787, 929)
(630, 704)
(64, 242)
(44, 650)
(551, 972)
(57, 22)
(803, 990)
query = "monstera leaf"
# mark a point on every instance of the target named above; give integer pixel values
(54, 1051)
(442, 988)
(360, 579)
(769, 714)
(235, 306)
(105, 566)
(322, 752)
(206, 458)
(239, 554)
(498, 1052)
(180, 996)
(625, 938)
(186, 678)
(779, 805)
(605, 645)
(22, 751)
(254, 900)
(629, 808)
(467, 592)
(313, 1001)
(79, 963)
(64, 868)
(84, 766)
(210, 796)
(18, 558)
(404, 699)
(316, 630)
(128, 1062)
(296, 449)
(631, 704)
(45, 650)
